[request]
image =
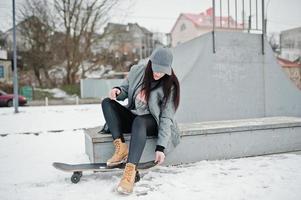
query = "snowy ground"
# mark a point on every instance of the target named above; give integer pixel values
(55, 133)
(50, 118)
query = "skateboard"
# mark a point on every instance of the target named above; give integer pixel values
(78, 169)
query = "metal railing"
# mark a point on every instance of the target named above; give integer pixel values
(249, 10)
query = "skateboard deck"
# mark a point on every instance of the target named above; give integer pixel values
(78, 169)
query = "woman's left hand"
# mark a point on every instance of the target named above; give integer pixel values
(160, 156)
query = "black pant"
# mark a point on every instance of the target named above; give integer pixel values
(121, 120)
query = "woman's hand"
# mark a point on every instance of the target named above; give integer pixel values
(160, 156)
(113, 93)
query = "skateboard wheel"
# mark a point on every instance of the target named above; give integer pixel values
(137, 177)
(75, 178)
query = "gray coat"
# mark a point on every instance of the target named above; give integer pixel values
(168, 131)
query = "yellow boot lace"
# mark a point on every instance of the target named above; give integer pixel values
(117, 146)
(128, 172)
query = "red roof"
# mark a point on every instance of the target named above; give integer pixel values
(286, 63)
(201, 19)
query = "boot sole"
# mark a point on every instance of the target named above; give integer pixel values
(121, 191)
(117, 163)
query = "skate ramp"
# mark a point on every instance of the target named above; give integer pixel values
(234, 103)
(237, 82)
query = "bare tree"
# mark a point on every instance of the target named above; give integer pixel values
(118, 47)
(80, 20)
(273, 41)
(36, 28)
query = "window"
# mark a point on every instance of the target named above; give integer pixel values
(183, 27)
(1, 71)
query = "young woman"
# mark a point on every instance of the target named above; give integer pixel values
(153, 93)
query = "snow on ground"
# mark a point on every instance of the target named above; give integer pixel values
(50, 118)
(56, 92)
(26, 172)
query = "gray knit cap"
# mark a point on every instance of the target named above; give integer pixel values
(161, 60)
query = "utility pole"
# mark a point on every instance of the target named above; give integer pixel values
(141, 45)
(16, 97)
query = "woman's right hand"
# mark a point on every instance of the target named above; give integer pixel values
(113, 93)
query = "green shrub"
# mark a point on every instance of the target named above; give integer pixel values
(40, 95)
(71, 89)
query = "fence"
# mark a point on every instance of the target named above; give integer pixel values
(97, 88)
(252, 17)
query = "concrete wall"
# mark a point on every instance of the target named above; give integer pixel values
(236, 82)
(213, 140)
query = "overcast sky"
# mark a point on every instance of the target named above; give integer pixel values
(160, 15)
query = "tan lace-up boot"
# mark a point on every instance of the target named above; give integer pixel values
(121, 153)
(126, 184)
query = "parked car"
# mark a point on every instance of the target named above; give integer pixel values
(7, 99)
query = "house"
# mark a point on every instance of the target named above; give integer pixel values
(6, 71)
(2, 40)
(130, 42)
(3, 54)
(290, 44)
(293, 70)
(21, 42)
(190, 25)
(5, 68)
(129, 38)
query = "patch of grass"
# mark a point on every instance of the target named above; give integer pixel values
(40, 95)
(71, 89)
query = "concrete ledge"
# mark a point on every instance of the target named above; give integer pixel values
(213, 140)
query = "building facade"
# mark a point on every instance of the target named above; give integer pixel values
(189, 26)
(6, 71)
(127, 40)
(290, 44)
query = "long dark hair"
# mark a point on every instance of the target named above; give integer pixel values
(166, 81)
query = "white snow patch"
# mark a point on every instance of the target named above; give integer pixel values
(56, 92)
(46, 118)
(26, 170)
